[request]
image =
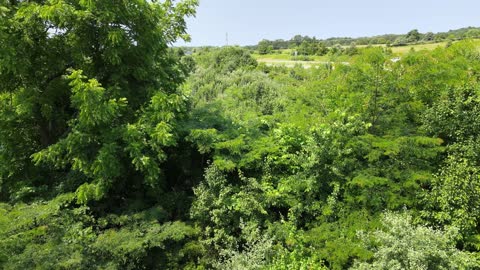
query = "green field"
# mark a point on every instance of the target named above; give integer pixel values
(400, 50)
(285, 57)
(290, 63)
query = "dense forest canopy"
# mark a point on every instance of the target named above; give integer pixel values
(118, 151)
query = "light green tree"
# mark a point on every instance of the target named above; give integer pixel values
(404, 245)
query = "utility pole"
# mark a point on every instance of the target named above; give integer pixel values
(226, 38)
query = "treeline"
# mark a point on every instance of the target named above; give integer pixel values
(118, 152)
(320, 46)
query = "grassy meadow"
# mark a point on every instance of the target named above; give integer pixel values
(286, 57)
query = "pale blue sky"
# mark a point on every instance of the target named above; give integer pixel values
(249, 21)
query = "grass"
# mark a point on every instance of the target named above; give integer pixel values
(290, 63)
(429, 46)
(275, 56)
(417, 47)
(284, 57)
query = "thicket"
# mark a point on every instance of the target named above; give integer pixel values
(118, 152)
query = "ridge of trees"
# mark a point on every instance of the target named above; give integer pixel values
(313, 46)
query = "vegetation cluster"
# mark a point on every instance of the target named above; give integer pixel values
(306, 45)
(119, 152)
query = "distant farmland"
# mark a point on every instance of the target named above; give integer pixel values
(286, 58)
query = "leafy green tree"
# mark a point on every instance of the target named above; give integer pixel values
(335, 239)
(454, 192)
(413, 36)
(321, 49)
(400, 41)
(351, 50)
(89, 111)
(454, 117)
(429, 36)
(93, 87)
(473, 33)
(264, 47)
(221, 206)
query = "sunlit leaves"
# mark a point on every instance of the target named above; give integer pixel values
(404, 245)
(93, 104)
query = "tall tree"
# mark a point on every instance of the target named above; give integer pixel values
(88, 87)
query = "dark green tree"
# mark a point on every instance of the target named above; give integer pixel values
(264, 47)
(89, 106)
(413, 36)
(92, 88)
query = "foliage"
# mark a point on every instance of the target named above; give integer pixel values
(454, 193)
(403, 245)
(59, 235)
(336, 148)
(118, 152)
(254, 254)
(324, 45)
(90, 101)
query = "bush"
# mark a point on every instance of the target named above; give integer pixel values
(404, 245)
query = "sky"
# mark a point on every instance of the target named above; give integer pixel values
(249, 21)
